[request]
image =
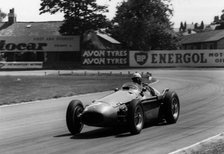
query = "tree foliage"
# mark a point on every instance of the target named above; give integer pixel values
(2, 15)
(80, 15)
(200, 28)
(183, 27)
(144, 24)
(219, 21)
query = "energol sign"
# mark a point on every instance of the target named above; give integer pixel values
(175, 58)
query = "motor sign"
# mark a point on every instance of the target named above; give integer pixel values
(177, 58)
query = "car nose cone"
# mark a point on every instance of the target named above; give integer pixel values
(99, 114)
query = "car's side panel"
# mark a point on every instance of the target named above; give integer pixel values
(151, 108)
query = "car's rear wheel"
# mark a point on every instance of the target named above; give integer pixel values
(171, 107)
(74, 110)
(135, 118)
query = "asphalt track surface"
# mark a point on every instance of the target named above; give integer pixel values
(40, 128)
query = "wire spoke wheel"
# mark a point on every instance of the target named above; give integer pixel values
(78, 112)
(175, 108)
(138, 119)
(135, 117)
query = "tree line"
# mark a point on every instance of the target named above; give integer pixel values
(138, 24)
(2, 15)
(219, 21)
(196, 27)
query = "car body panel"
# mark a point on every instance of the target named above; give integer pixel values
(120, 96)
(151, 108)
(99, 114)
(111, 110)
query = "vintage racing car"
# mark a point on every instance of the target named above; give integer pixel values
(130, 106)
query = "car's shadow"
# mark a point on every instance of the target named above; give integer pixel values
(105, 132)
(102, 132)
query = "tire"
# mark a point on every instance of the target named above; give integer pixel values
(74, 124)
(171, 107)
(135, 117)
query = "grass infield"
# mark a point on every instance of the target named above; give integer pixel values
(16, 89)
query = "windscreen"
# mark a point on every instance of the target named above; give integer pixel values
(130, 86)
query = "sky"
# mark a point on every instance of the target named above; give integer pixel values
(191, 11)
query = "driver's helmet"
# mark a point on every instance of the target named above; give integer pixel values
(137, 78)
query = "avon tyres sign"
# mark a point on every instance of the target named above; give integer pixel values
(39, 43)
(21, 65)
(105, 57)
(177, 58)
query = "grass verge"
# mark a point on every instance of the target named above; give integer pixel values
(16, 89)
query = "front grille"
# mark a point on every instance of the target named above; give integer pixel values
(92, 118)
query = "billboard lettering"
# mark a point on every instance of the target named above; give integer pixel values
(21, 46)
(105, 57)
(171, 58)
(21, 65)
(37, 43)
(176, 58)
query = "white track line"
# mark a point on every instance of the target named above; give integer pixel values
(196, 144)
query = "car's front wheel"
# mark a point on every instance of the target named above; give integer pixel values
(135, 118)
(74, 110)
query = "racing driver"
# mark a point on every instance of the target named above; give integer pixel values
(137, 78)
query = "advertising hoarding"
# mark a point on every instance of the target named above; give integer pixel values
(105, 57)
(177, 58)
(21, 65)
(39, 43)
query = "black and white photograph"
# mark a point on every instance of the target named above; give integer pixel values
(111, 77)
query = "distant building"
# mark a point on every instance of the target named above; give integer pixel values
(204, 40)
(188, 29)
(18, 40)
(98, 40)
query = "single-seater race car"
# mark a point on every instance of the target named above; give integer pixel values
(131, 106)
